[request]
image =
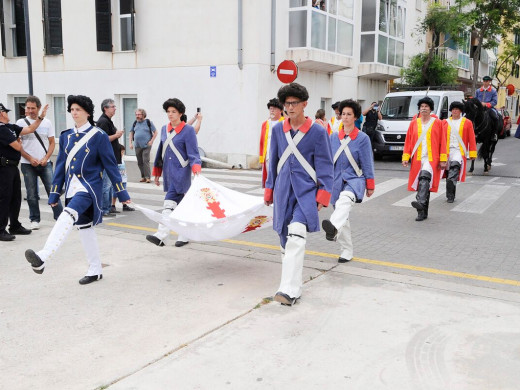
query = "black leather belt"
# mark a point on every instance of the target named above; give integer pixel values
(4, 162)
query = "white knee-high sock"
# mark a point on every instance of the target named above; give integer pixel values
(58, 234)
(292, 263)
(163, 231)
(90, 244)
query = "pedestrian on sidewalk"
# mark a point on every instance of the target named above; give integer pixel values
(299, 184)
(353, 177)
(124, 178)
(85, 152)
(178, 152)
(108, 106)
(275, 115)
(10, 183)
(460, 144)
(37, 149)
(425, 145)
(142, 136)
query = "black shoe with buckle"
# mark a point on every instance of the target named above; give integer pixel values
(37, 264)
(284, 299)
(128, 208)
(90, 279)
(331, 233)
(154, 240)
(178, 244)
(343, 260)
(20, 230)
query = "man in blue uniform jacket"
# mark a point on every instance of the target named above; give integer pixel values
(299, 184)
(85, 152)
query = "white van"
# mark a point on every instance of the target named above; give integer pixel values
(398, 109)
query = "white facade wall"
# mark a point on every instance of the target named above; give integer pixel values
(176, 43)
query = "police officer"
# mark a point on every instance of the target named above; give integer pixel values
(10, 184)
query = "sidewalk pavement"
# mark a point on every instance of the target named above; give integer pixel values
(196, 318)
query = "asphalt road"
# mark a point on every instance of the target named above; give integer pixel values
(473, 241)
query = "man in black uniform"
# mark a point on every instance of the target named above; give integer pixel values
(372, 115)
(10, 184)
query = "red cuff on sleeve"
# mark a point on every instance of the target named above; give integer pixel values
(156, 171)
(268, 194)
(488, 105)
(195, 168)
(371, 184)
(323, 197)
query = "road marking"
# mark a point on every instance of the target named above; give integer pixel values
(255, 180)
(257, 191)
(388, 264)
(481, 200)
(407, 202)
(233, 171)
(384, 187)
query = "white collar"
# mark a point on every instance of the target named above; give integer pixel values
(83, 128)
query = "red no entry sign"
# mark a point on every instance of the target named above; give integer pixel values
(287, 71)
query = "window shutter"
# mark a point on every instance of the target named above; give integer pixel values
(20, 28)
(52, 27)
(132, 16)
(2, 27)
(103, 25)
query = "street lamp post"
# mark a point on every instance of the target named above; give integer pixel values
(28, 44)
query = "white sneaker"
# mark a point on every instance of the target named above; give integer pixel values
(35, 225)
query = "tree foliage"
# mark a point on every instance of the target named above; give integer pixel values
(490, 19)
(439, 72)
(507, 59)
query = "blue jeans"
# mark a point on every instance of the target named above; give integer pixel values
(107, 193)
(30, 177)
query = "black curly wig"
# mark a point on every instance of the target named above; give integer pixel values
(293, 89)
(178, 105)
(356, 108)
(84, 102)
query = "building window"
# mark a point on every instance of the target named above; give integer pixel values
(13, 28)
(52, 26)
(60, 117)
(384, 23)
(19, 107)
(129, 105)
(103, 25)
(325, 25)
(122, 38)
(126, 24)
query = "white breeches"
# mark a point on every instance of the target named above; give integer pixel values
(340, 220)
(292, 261)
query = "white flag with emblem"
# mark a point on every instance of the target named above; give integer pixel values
(212, 212)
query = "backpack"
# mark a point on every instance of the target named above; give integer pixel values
(149, 126)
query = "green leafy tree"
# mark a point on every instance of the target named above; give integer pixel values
(439, 72)
(440, 24)
(490, 19)
(509, 56)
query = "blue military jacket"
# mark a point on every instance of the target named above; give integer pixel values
(87, 165)
(345, 177)
(489, 96)
(315, 148)
(175, 176)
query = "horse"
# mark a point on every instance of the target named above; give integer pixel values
(486, 131)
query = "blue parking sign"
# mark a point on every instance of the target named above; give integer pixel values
(212, 71)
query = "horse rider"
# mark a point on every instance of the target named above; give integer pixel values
(487, 95)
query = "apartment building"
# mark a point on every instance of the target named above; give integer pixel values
(218, 55)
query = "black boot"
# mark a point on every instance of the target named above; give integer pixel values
(451, 181)
(423, 195)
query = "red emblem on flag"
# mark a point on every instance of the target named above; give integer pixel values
(210, 198)
(256, 222)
